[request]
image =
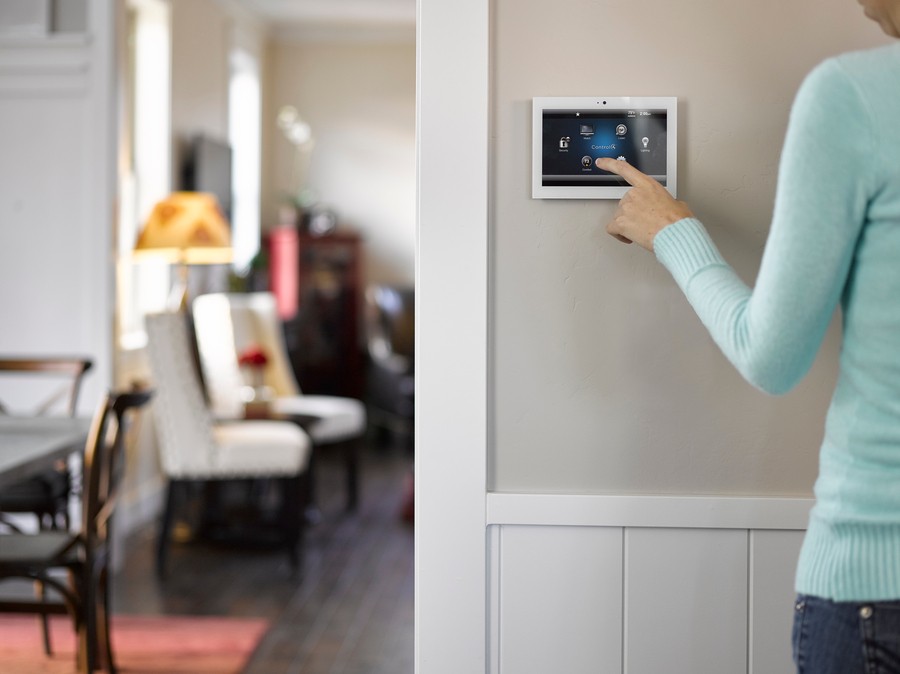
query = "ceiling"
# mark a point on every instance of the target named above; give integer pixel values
(281, 13)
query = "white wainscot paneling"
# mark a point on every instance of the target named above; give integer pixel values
(685, 601)
(42, 202)
(642, 584)
(773, 558)
(57, 106)
(560, 599)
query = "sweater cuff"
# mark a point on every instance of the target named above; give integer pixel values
(685, 248)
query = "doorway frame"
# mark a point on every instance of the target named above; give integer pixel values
(452, 335)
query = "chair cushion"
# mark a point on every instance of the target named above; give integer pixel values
(259, 449)
(339, 418)
(45, 548)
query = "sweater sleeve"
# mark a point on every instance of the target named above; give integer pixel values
(771, 333)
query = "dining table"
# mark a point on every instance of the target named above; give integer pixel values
(29, 445)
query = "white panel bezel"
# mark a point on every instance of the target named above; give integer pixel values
(604, 103)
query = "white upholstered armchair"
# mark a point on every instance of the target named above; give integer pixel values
(194, 447)
(228, 323)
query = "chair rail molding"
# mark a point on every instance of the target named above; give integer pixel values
(657, 511)
(53, 66)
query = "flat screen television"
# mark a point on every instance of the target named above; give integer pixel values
(207, 168)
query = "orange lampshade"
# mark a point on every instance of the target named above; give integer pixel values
(186, 228)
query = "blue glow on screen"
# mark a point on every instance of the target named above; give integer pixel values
(569, 148)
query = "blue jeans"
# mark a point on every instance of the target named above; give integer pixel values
(846, 637)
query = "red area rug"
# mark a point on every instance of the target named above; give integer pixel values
(141, 644)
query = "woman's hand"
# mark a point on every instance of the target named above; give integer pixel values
(645, 209)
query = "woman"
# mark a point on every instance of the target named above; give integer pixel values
(835, 237)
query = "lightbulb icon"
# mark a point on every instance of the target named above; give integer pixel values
(645, 141)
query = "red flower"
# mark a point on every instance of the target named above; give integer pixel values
(253, 356)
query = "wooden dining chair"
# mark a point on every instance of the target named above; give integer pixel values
(72, 370)
(84, 554)
(45, 495)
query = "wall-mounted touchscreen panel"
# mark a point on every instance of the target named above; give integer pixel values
(570, 134)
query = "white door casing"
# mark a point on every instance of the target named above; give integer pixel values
(451, 335)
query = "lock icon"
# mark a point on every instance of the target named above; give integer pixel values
(564, 142)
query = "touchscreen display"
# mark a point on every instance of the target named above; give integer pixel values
(572, 140)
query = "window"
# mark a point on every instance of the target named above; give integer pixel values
(244, 137)
(145, 162)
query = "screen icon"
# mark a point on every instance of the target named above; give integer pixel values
(587, 129)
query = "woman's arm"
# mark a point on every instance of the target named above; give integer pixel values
(772, 332)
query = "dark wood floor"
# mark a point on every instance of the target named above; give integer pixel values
(350, 613)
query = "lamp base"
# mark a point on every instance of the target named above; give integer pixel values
(178, 295)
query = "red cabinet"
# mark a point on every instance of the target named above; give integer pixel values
(324, 338)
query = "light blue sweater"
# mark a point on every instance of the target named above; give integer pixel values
(835, 238)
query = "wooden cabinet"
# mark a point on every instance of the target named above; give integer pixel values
(324, 338)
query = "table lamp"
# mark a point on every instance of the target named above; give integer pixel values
(186, 228)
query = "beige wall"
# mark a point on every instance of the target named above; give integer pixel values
(603, 378)
(359, 99)
(200, 46)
